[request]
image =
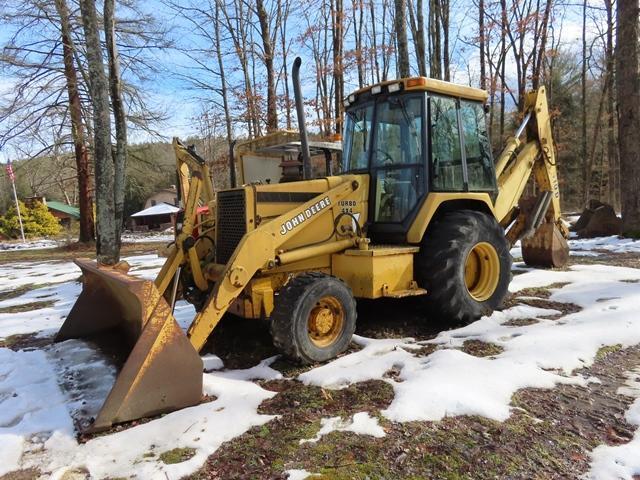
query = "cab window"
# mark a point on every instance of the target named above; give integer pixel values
(476, 147)
(357, 132)
(446, 153)
(397, 158)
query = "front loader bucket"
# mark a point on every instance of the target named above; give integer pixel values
(161, 370)
(547, 247)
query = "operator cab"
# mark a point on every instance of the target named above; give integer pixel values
(415, 136)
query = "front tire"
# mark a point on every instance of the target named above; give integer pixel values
(465, 265)
(314, 318)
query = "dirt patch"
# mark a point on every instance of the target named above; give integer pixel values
(606, 257)
(478, 348)
(263, 452)
(74, 250)
(25, 341)
(539, 297)
(549, 434)
(425, 350)
(26, 307)
(520, 322)
(18, 291)
(177, 455)
(25, 474)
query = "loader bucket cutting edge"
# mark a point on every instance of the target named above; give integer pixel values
(547, 247)
(161, 370)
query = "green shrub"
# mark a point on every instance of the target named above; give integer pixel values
(37, 222)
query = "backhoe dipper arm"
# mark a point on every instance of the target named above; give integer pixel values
(516, 163)
(258, 250)
(195, 185)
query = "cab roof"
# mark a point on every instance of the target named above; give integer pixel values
(430, 85)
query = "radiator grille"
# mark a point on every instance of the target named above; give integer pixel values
(232, 223)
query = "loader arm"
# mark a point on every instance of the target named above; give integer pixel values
(538, 223)
(259, 249)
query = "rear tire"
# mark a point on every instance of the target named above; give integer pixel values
(465, 265)
(314, 318)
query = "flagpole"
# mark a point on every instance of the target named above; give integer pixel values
(15, 197)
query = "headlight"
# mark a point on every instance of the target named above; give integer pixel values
(394, 87)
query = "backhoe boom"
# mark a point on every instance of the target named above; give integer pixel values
(537, 223)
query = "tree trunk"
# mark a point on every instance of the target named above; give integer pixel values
(483, 73)
(85, 201)
(444, 19)
(285, 70)
(374, 40)
(338, 85)
(583, 89)
(267, 46)
(416, 20)
(435, 49)
(107, 244)
(119, 115)
(401, 38)
(225, 99)
(614, 168)
(628, 85)
(503, 51)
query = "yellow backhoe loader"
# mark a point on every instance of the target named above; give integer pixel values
(419, 209)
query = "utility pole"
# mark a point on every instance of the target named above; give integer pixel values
(12, 177)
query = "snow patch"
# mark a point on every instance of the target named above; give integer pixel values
(298, 474)
(29, 245)
(612, 244)
(262, 371)
(32, 408)
(361, 423)
(540, 355)
(621, 461)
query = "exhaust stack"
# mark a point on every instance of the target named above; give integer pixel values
(302, 124)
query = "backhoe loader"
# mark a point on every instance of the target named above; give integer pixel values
(419, 209)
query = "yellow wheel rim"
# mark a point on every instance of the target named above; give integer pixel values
(482, 271)
(326, 321)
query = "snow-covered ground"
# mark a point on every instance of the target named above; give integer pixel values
(127, 237)
(134, 237)
(30, 245)
(43, 390)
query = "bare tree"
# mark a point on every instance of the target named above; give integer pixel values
(337, 24)
(481, 39)
(85, 199)
(268, 39)
(108, 242)
(416, 19)
(401, 38)
(614, 167)
(115, 92)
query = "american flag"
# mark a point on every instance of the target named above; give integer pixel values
(10, 173)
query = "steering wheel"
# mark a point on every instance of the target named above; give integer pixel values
(388, 158)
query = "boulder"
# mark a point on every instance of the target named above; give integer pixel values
(599, 219)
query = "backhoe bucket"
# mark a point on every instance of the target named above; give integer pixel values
(547, 247)
(161, 371)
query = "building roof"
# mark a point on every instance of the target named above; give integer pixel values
(159, 209)
(64, 208)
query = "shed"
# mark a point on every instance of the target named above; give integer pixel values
(165, 195)
(157, 217)
(63, 212)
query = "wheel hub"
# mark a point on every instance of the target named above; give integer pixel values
(321, 320)
(326, 321)
(482, 271)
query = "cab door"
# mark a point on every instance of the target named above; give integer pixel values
(398, 166)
